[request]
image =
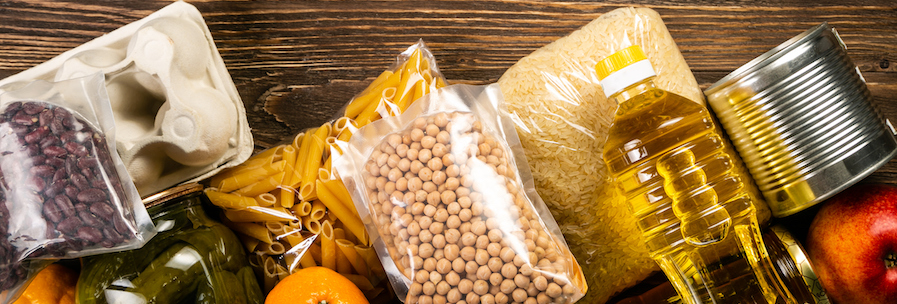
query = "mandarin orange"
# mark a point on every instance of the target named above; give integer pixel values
(52, 285)
(315, 285)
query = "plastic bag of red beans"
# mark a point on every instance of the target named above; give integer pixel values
(64, 192)
(448, 197)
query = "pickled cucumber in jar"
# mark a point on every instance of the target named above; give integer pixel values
(193, 259)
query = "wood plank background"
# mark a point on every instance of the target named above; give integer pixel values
(295, 63)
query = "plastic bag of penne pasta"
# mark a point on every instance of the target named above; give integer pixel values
(447, 196)
(293, 212)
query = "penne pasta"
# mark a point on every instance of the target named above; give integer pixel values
(407, 97)
(313, 226)
(297, 141)
(299, 246)
(267, 157)
(271, 275)
(276, 228)
(302, 209)
(338, 233)
(259, 214)
(361, 281)
(345, 135)
(328, 163)
(287, 195)
(317, 210)
(315, 251)
(341, 124)
(301, 156)
(370, 113)
(379, 80)
(349, 217)
(336, 187)
(357, 261)
(295, 224)
(313, 160)
(307, 192)
(249, 242)
(266, 200)
(248, 177)
(425, 67)
(343, 266)
(227, 200)
(282, 272)
(254, 230)
(328, 246)
(274, 248)
(262, 186)
(370, 257)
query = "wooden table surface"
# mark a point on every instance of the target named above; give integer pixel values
(296, 62)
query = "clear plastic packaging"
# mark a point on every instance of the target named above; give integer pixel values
(562, 116)
(64, 192)
(293, 212)
(448, 200)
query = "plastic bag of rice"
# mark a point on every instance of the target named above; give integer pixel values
(562, 117)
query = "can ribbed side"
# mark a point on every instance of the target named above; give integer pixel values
(798, 116)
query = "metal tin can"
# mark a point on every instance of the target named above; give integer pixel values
(802, 119)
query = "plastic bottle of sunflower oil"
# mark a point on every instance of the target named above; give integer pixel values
(691, 194)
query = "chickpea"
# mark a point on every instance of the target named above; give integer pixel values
(480, 287)
(459, 265)
(429, 288)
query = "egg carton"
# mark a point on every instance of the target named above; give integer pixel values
(178, 115)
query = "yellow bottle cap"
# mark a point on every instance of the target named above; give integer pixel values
(619, 60)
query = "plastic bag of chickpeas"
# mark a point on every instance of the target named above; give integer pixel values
(448, 200)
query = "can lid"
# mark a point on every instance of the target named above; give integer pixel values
(801, 260)
(623, 68)
(767, 58)
(171, 193)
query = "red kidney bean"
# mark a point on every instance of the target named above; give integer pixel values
(67, 136)
(69, 225)
(71, 191)
(112, 235)
(91, 195)
(55, 187)
(54, 151)
(90, 219)
(87, 162)
(102, 209)
(52, 213)
(49, 140)
(55, 162)
(80, 181)
(32, 108)
(23, 119)
(37, 135)
(64, 204)
(75, 148)
(37, 184)
(45, 118)
(43, 170)
(65, 116)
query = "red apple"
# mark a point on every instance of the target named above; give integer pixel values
(852, 243)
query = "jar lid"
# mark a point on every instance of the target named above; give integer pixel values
(171, 193)
(802, 262)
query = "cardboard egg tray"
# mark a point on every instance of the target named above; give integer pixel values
(178, 115)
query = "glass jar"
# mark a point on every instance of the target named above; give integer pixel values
(791, 264)
(192, 259)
